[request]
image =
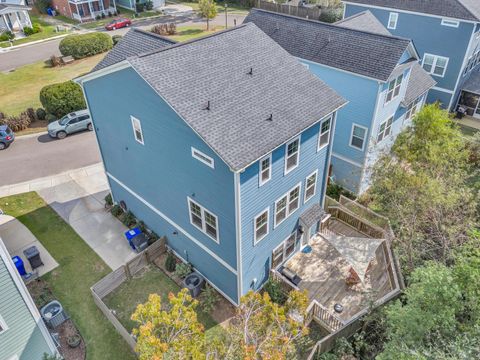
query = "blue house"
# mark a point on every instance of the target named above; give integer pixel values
(446, 34)
(377, 73)
(221, 143)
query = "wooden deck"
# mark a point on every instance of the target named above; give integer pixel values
(324, 272)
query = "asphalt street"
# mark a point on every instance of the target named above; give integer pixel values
(39, 156)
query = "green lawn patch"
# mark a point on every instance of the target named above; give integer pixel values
(20, 89)
(135, 291)
(124, 13)
(80, 268)
(185, 33)
(233, 7)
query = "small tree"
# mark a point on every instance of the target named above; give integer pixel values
(62, 98)
(169, 332)
(208, 10)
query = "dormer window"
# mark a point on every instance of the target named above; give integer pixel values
(394, 88)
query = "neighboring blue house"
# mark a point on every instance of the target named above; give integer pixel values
(221, 143)
(446, 34)
(23, 334)
(377, 73)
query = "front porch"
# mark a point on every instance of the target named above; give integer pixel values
(88, 10)
(14, 18)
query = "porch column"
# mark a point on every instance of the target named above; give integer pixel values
(101, 5)
(27, 18)
(4, 17)
(18, 19)
(114, 4)
(92, 12)
(78, 13)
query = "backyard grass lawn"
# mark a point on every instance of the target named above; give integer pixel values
(132, 292)
(48, 31)
(185, 33)
(80, 268)
(20, 89)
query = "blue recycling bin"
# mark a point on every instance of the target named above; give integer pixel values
(136, 239)
(17, 260)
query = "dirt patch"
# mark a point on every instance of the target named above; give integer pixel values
(65, 331)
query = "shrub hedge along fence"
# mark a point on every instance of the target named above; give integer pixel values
(83, 45)
(62, 98)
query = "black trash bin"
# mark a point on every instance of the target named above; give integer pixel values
(194, 282)
(33, 256)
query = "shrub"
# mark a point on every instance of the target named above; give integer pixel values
(182, 269)
(36, 28)
(17, 123)
(149, 5)
(6, 36)
(83, 45)
(116, 210)
(274, 289)
(55, 61)
(41, 113)
(139, 7)
(209, 298)
(164, 29)
(109, 14)
(62, 98)
(116, 39)
(109, 199)
(32, 115)
(98, 17)
(103, 15)
(330, 15)
(335, 190)
(170, 262)
(128, 219)
(50, 118)
(2, 115)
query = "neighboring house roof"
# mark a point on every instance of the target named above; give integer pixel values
(457, 9)
(473, 83)
(365, 21)
(244, 77)
(418, 84)
(6, 8)
(359, 52)
(134, 42)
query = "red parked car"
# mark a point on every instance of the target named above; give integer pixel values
(118, 23)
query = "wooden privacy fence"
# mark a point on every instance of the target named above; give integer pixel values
(300, 11)
(113, 280)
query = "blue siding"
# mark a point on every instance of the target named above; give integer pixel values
(346, 174)
(163, 171)
(442, 97)
(431, 37)
(254, 199)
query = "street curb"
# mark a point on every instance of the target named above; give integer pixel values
(12, 48)
(28, 136)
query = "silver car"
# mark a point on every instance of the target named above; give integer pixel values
(70, 123)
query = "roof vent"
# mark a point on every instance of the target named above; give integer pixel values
(250, 72)
(270, 118)
(208, 105)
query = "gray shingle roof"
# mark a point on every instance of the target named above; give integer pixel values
(134, 42)
(473, 83)
(216, 69)
(13, 7)
(364, 21)
(457, 9)
(418, 84)
(359, 52)
(312, 215)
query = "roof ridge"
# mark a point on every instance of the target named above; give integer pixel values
(333, 25)
(178, 44)
(351, 17)
(466, 8)
(152, 34)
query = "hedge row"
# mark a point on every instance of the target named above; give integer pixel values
(83, 45)
(62, 98)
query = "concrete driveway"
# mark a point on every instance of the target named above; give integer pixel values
(17, 238)
(80, 203)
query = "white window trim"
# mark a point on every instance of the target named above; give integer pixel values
(351, 137)
(133, 119)
(3, 324)
(255, 240)
(286, 155)
(260, 181)
(390, 18)
(436, 57)
(288, 213)
(314, 187)
(330, 118)
(306, 65)
(380, 126)
(450, 23)
(281, 245)
(395, 86)
(284, 249)
(204, 228)
(210, 162)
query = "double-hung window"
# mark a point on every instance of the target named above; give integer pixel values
(324, 135)
(277, 256)
(392, 21)
(357, 139)
(435, 65)
(310, 186)
(261, 225)
(284, 250)
(292, 153)
(394, 88)
(385, 129)
(204, 220)
(412, 109)
(287, 204)
(137, 129)
(265, 170)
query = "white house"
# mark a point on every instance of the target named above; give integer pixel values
(14, 16)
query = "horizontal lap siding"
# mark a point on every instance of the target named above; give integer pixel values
(23, 338)
(162, 171)
(254, 199)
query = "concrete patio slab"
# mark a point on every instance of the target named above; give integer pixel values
(17, 238)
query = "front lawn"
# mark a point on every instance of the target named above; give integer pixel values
(79, 268)
(20, 89)
(135, 291)
(185, 33)
(124, 13)
(48, 31)
(233, 7)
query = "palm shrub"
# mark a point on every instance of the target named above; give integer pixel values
(183, 269)
(41, 113)
(62, 98)
(170, 262)
(83, 45)
(17, 123)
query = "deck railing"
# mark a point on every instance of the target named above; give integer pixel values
(327, 319)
